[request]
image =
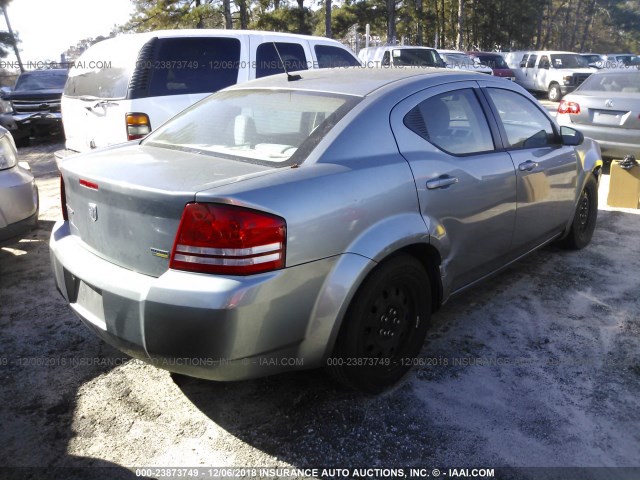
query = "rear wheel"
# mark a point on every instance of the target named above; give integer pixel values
(385, 326)
(554, 92)
(584, 220)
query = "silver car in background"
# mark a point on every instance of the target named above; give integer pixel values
(606, 107)
(18, 191)
(320, 221)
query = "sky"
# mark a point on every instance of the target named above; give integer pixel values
(47, 28)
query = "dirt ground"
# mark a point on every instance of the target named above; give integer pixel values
(539, 367)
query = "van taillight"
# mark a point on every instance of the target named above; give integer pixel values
(138, 125)
(227, 239)
(572, 108)
(63, 200)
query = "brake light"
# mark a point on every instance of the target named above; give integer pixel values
(88, 184)
(63, 200)
(572, 108)
(227, 239)
(138, 125)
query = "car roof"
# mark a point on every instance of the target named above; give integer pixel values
(357, 81)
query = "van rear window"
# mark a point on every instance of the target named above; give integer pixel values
(193, 65)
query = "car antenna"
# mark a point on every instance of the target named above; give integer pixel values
(290, 78)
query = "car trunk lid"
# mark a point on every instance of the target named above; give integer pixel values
(614, 109)
(125, 203)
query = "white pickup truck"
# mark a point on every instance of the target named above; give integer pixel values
(556, 73)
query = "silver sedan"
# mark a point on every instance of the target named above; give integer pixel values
(18, 191)
(298, 222)
(606, 107)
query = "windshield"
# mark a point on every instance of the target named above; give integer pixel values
(42, 80)
(493, 61)
(628, 60)
(416, 57)
(259, 126)
(624, 82)
(568, 60)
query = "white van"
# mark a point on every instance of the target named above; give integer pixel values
(556, 73)
(123, 87)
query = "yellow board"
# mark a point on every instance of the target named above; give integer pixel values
(624, 187)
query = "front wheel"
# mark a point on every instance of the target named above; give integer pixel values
(385, 326)
(554, 92)
(584, 220)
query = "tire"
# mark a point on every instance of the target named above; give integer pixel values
(584, 219)
(385, 326)
(555, 94)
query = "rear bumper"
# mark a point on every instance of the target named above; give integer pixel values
(208, 326)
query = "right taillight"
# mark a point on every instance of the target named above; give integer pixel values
(63, 200)
(572, 108)
(227, 239)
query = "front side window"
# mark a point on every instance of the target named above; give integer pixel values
(275, 127)
(452, 121)
(525, 125)
(269, 58)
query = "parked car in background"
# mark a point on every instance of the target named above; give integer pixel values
(461, 61)
(18, 191)
(35, 103)
(400, 56)
(495, 61)
(606, 107)
(621, 60)
(281, 224)
(123, 87)
(594, 60)
(556, 73)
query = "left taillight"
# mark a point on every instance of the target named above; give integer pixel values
(138, 125)
(63, 200)
(228, 239)
(572, 108)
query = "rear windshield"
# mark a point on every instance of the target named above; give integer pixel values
(163, 66)
(42, 80)
(273, 127)
(568, 60)
(416, 57)
(623, 82)
(493, 61)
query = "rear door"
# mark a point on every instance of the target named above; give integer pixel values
(466, 187)
(546, 170)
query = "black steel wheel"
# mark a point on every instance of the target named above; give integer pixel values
(385, 326)
(584, 219)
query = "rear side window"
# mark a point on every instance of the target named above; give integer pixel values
(268, 61)
(181, 66)
(452, 121)
(332, 57)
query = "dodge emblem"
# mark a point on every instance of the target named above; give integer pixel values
(93, 211)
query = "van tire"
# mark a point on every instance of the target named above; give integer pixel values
(555, 94)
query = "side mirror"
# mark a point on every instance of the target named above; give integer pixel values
(571, 136)
(4, 92)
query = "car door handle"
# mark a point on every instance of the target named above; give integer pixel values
(527, 166)
(443, 181)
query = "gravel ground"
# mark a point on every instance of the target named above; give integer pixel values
(538, 367)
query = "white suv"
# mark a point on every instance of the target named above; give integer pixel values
(121, 88)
